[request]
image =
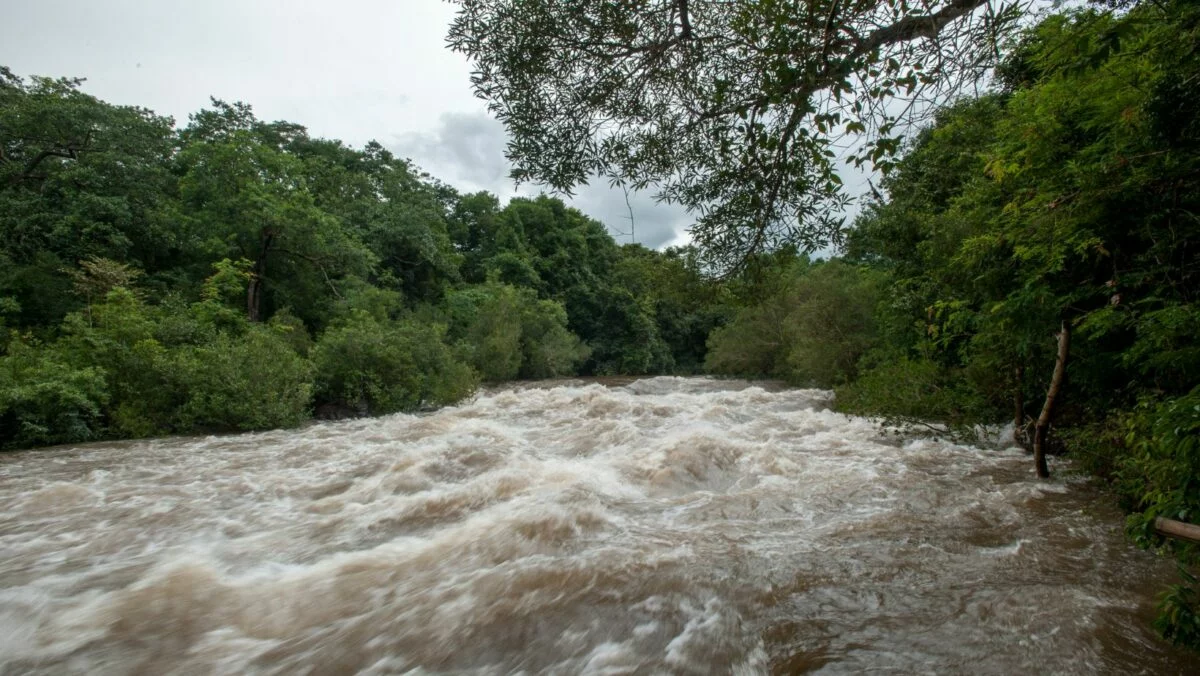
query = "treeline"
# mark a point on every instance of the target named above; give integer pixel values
(236, 274)
(1061, 209)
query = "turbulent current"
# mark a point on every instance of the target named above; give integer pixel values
(660, 526)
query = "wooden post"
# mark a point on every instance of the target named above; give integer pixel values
(1177, 529)
(1042, 428)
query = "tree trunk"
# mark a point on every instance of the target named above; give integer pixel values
(254, 290)
(1177, 529)
(1019, 411)
(1043, 422)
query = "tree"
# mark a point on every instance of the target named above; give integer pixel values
(248, 197)
(79, 178)
(811, 331)
(731, 108)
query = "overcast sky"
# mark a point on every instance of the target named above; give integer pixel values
(355, 70)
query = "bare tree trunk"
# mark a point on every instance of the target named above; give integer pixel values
(1019, 410)
(1043, 422)
(254, 290)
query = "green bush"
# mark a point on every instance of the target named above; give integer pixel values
(1163, 458)
(506, 333)
(45, 400)
(485, 327)
(548, 348)
(250, 382)
(1158, 477)
(1178, 618)
(905, 391)
(812, 331)
(119, 336)
(625, 339)
(753, 344)
(374, 367)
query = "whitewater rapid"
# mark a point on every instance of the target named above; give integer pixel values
(660, 526)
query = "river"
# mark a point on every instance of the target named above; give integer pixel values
(659, 526)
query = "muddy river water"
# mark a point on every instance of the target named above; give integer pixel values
(661, 526)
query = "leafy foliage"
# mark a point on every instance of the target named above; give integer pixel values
(505, 332)
(236, 273)
(253, 381)
(729, 108)
(812, 330)
(1069, 195)
(44, 400)
(369, 366)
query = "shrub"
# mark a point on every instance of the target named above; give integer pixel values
(1164, 455)
(1158, 477)
(507, 333)
(812, 331)
(906, 391)
(485, 327)
(118, 336)
(250, 382)
(379, 367)
(45, 400)
(548, 348)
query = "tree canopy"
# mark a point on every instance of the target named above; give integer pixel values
(738, 110)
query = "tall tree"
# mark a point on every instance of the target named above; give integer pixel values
(78, 178)
(249, 198)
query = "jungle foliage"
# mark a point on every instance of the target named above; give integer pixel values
(238, 274)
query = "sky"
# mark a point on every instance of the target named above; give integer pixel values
(354, 70)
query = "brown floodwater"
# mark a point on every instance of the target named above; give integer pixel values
(659, 526)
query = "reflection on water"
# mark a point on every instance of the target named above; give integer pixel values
(655, 526)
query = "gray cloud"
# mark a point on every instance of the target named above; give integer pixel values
(466, 150)
(353, 70)
(653, 224)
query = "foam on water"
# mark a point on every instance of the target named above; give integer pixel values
(666, 525)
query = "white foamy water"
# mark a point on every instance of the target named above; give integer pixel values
(665, 526)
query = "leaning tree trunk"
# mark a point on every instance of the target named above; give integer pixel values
(1042, 429)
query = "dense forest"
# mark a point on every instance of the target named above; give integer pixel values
(236, 274)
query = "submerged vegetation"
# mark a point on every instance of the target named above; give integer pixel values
(237, 274)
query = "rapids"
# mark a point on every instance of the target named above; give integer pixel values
(666, 525)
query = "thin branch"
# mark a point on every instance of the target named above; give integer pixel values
(317, 262)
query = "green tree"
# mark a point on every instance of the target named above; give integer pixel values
(505, 332)
(1065, 203)
(729, 108)
(247, 197)
(365, 365)
(45, 400)
(811, 331)
(79, 179)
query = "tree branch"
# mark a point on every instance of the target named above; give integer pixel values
(320, 266)
(685, 23)
(913, 27)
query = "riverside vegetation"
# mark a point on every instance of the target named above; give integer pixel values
(236, 274)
